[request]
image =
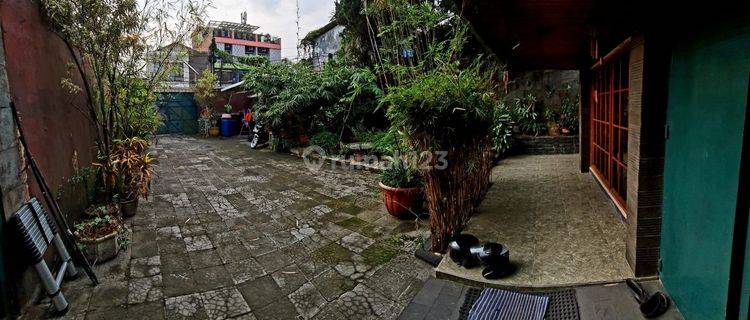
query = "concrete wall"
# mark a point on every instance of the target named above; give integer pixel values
(35, 62)
(548, 86)
(274, 55)
(327, 43)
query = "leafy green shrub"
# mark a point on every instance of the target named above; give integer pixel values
(502, 130)
(295, 99)
(282, 145)
(569, 112)
(523, 111)
(382, 142)
(400, 174)
(385, 142)
(327, 140)
(450, 111)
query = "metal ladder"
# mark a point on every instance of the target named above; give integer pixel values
(38, 232)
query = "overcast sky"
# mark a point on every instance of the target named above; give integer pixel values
(277, 17)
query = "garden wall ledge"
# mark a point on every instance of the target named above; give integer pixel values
(541, 145)
(343, 162)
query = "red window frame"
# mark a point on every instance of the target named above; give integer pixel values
(609, 126)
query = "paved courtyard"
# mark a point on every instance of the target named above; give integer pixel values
(236, 233)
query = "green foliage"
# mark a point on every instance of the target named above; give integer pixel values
(282, 145)
(502, 130)
(443, 109)
(111, 44)
(227, 108)
(295, 99)
(569, 112)
(205, 89)
(140, 118)
(382, 142)
(400, 174)
(523, 111)
(327, 140)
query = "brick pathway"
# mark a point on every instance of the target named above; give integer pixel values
(236, 233)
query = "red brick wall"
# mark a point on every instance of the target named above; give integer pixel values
(35, 62)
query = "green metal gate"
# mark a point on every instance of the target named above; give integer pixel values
(179, 113)
(708, 97)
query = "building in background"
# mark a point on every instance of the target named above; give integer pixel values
(177, 108)
(236, 40)
(323, 44)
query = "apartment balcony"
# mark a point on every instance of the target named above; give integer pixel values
(269, 44)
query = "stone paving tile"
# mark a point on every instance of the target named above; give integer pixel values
(331, 284)
(307, 300)
(224, 303)
(179, 283)
(245, 270)
(175, 263)
(185, 307)
(361, 302)
(204, 259)
(106, 295)
(212, 278)
(145, 267)
(281, 309)
(289, 278)
(233, 252)
(356, 242)
(198, 243)
(146, 311)
(145, 289)
(273, 261)
(167, 246)
(260, 292)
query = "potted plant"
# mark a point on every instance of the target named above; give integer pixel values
(214, 131)
(133, 171)
(553, 128)
(227, 112)
(402, 189)
(100, 237)
(205, 97)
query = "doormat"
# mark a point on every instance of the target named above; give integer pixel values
(562, 305)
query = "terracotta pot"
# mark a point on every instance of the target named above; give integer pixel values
(213, 131)
(402, 202)
(553, 129)
(129, 208)
(101, 249)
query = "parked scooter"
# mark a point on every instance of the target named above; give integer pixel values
(258, 138)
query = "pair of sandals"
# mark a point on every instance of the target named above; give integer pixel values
(651, 306)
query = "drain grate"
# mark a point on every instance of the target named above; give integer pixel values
(562, 305)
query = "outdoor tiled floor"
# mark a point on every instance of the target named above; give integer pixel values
(558, 223)
(236, 233)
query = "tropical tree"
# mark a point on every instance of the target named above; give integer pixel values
(122, 51)
(205, 89)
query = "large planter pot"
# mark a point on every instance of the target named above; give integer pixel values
(402, 202)
(129, 208)
(102, 249)
(553, 129)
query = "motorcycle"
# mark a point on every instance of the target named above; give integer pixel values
(258, 138)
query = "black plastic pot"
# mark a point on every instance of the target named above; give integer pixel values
(129, 208)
